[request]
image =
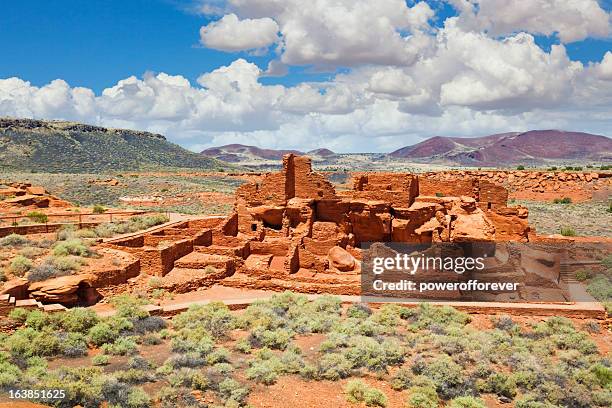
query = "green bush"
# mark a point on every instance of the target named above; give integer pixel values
(31, 252)
(121, 347)
(568, 232)
(102, 333)
(600, 288)
(467, 402)
(520, 167)
(215, 317)
(20, 265)
(100, 360)
(375, 398)
(38, 216)
(401, 380)
(447, 375)
(500, 384)
(19, 315)
(98, 209)
(71, 247)
(355, 391)
(333, 367)
(79, 320)
(264, 371)
(45, 271)
(243, 346)
(582, 275)
(13, 240)
(138, 398)
(422, 397)
(65, 263)
(129, 307)
(275, 339)
(564, 200)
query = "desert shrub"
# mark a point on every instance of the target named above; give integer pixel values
(264, 371)
(45, 271)
(220, 355)
(243, 346)
(29, 342)
(422, 397)
(19, 315)
(136, 376)
(375, 398)
(138, 398)
(500, 384)
(369, 353)
(467, 402)
(231, 390)
(38, 320)
(102, 333)
(100, 360)
(20, 265)
(37, 216)
(65, 233)
(355, 391)
(129, 307)
(275, 339)
(73, 344)
(438, 194)
(582, 275)
(359, 311)
(215, 317)
(401, 380)
(65, 263)
(600, 288)
(446, 375)
(71, 247)
(30, 252)
(13, 240)
(333, 367)
(592, 326)
(445, 316)
(170, 397)
(190, 360)
(139, 363)
(149, 324)
(564, 200)
(98, 209)
(520, 167)
(121, 347)
(504, 322)
(603, 374)
(79, 319)
(150, 339)
(10, 375)
(568, 232)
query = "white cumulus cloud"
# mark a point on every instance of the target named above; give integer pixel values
(572, 20)
(231, 34)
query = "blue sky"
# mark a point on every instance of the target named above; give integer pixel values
(361, 75)
(95, 43)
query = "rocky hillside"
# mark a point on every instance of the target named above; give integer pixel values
(53, 146)
(533, 147)
(238, 153)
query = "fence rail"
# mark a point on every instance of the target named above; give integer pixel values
(13, 221)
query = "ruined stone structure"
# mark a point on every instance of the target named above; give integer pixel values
(292, 230)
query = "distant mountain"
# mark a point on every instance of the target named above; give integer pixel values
(235, 153)
(323, 153)
(55, 146)
(533, 147)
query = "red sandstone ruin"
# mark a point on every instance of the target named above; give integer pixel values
(292, 230)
